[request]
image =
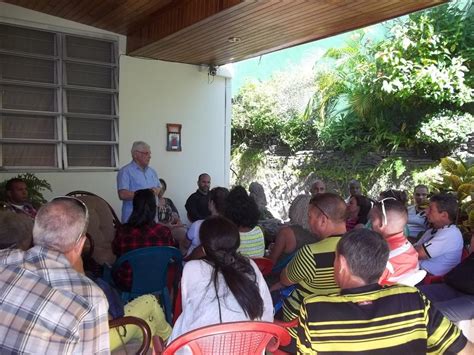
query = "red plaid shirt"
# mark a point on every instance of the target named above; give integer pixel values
(129, 238)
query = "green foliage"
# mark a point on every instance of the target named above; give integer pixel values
(458, 177)
(35, 185)
(412, 90)
(385, 90)
(247, 162)
(445, 130)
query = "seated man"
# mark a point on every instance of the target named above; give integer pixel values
(440, 248)
(417, 222)
(48, 306)
(17, 197)
(197, 203)
(388, 217)
(455, 297)
(371, 319)
(317, 187)
(312, 267)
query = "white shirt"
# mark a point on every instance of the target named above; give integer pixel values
(200, 306)
(416, 221)
(193, 235)
(443, 247)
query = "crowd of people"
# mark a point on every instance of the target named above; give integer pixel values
(350, 267)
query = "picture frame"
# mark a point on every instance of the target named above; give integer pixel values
(173, 137)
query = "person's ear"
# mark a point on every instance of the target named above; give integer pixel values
(80, 245)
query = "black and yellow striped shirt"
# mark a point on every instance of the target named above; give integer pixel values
(312, 269)
(376, 320)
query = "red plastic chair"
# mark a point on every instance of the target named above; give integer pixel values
(243, 338)
(265, 265)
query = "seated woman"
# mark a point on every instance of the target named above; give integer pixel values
(168, 215)
(140, 231)
(224, 286)
(241, 209)
(292, 237)
(217, 197)
(358, 209)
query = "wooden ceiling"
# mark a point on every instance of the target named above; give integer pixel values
(222, 31)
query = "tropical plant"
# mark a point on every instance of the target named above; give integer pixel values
(458, 178)
(35, 186)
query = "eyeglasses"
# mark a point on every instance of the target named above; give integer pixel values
(319, 208)
(144, 153)
(382, 204)
(79, 203)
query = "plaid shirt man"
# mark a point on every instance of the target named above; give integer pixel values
(131, 238)
(47, 307)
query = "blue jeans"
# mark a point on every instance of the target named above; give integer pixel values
(455, 305)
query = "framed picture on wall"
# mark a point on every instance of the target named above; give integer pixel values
(173, 137)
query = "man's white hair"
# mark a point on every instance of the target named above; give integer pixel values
(59, 224)
(139, 145)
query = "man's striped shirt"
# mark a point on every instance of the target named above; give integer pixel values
(376, 320)
(312, 269)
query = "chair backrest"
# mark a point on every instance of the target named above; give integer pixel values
(232, 338)
(149, 267)
(141, 324)
(265, 265)
(102, 224)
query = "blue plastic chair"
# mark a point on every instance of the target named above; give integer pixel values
(149, 269)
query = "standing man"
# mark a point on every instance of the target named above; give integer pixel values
(48, 305)
(417, 222)
(17, 197)
(197, 203)
(440, 248)
(371, 319)
(136, 175)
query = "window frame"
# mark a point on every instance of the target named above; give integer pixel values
(61, 114)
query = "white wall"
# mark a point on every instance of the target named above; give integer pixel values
(152, 94)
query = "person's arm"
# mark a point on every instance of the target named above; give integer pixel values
(191, 208)
(422, 255)
(126, 195)
(285, 241)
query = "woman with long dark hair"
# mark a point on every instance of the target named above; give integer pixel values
(217, 197)
(224, 286)
(140, 231)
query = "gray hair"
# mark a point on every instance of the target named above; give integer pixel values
(59, 224)
(139, 145)
(15, 230)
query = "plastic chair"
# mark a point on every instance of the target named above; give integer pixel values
(265, 265)
(232, 338)
(145, 346)
(149, 273)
